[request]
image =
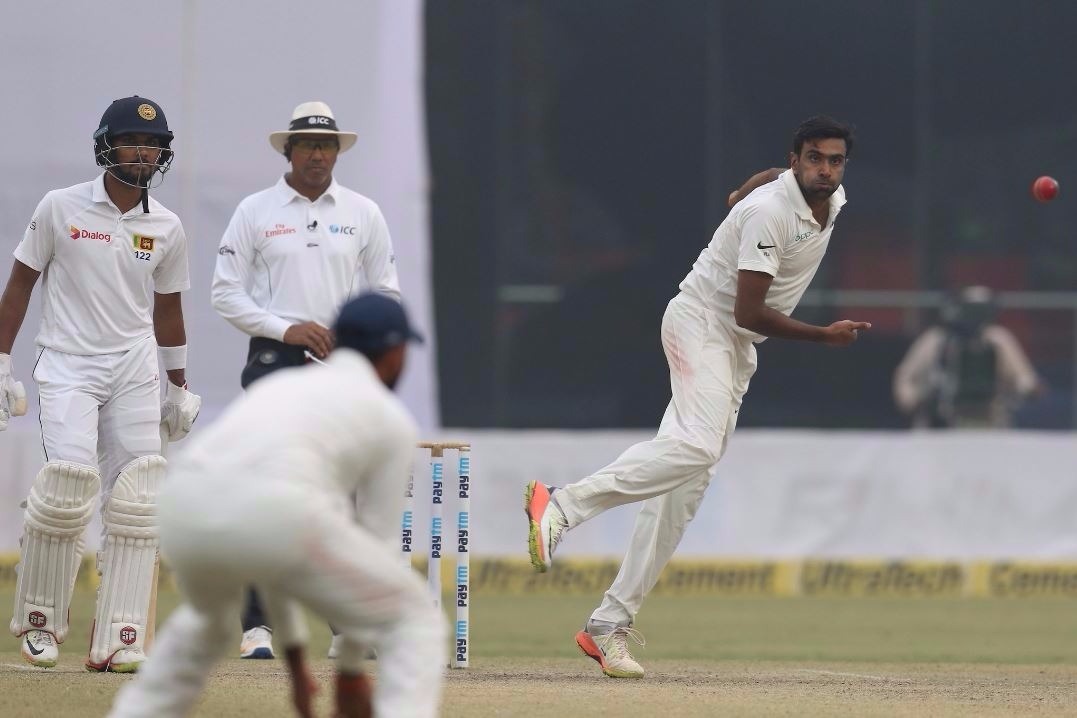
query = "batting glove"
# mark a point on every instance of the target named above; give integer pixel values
(179, 410)
(12, 393)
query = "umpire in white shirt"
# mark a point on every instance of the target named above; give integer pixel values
(292, 255)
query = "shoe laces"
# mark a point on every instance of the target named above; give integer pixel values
(258, 633)
(558, 522)
(558, 525)
(42, 638)
(615, 643)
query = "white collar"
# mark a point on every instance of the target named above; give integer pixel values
(288, 193)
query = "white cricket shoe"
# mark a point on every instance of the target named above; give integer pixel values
(39, 649)
(611, 651)
(547, 525)
(126, 660)
(257, 643)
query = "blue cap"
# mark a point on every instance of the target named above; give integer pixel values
(372, 323)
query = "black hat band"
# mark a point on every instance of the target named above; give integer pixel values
(313, 122)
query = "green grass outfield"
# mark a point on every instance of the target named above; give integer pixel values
(706, 656)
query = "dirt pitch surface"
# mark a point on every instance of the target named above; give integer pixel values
(740, 688)
(705, 657)
(557, 687)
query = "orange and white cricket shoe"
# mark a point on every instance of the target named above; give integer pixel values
(611, 652)
(39, 648)
(547, 524)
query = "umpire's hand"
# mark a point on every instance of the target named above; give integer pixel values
(311, 335)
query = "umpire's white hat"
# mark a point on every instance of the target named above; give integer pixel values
(312, 118)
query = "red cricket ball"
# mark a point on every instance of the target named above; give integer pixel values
(1045, 188)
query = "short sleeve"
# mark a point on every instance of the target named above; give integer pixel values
(171, 275)
(762, 240)
(39, 242)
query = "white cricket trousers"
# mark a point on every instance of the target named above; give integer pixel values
(102, 410)
(710, 366)
(296, 545)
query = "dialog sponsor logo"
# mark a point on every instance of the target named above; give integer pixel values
(77, 233)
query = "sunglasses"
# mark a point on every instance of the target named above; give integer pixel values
(307, 144)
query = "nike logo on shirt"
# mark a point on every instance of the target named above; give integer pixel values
(760, 245)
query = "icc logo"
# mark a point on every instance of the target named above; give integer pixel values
(128, 634)
(339, 229)
(318, 121)
(37, 619)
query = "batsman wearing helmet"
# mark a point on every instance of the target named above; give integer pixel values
(113, 262)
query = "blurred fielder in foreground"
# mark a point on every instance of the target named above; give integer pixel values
(344, 431)
(114, 262)
(742, 289)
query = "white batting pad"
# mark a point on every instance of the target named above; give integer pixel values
(127, 560)
(59, 507)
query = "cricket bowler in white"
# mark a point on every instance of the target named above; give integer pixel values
(742, 289)
(113, 262)
(291, 472)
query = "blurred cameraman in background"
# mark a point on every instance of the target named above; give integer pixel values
(969, 372)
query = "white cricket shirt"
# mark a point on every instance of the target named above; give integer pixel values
(771, 230)
(343, 432)
(100, 268)
(285, 260)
